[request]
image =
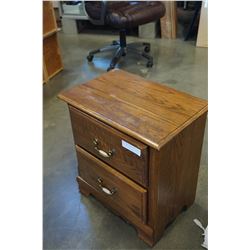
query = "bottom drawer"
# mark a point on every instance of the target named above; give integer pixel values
(120, 192)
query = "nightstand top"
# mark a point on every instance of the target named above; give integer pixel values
(150, 112)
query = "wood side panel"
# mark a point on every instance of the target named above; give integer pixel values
(51, 55)
(49, 20)
(45, 73)
(86, 129)
(173, 175)
(129, 196)
(192, 138)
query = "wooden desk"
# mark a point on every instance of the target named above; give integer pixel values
(138, 146)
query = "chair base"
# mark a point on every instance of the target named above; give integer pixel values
(122, 48)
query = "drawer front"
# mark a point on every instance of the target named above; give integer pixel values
(122, 152)
(118, 190)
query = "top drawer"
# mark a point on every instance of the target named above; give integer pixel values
(122, 152)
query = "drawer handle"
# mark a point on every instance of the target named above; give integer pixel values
(104, 189)
(101, 152)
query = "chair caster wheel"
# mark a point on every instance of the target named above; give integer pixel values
(149, 64)
(147, 49)
(110, 67)
(115, 43)
(184, 208)
(90, 58)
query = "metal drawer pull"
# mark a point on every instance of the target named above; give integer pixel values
(104, 189)
(101, 152)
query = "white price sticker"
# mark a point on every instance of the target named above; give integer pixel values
(131, 148)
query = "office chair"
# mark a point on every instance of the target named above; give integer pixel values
(123, 15)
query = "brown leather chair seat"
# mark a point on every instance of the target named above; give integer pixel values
(127, 14)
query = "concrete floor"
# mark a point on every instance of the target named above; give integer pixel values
(73, 222)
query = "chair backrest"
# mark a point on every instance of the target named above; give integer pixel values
(96, 11)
